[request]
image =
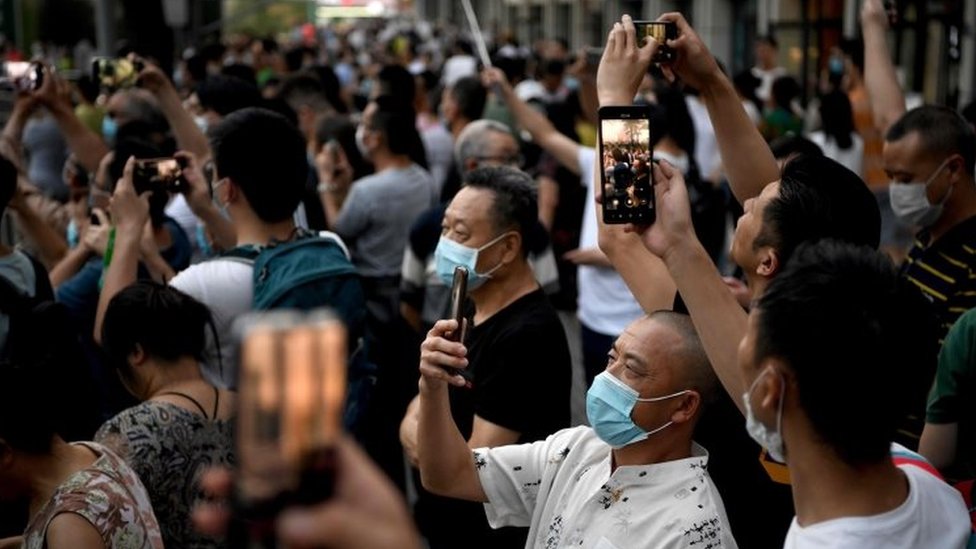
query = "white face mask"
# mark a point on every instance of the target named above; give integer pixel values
(771, 440)
(910, 201)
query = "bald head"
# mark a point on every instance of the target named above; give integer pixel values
(688, 361)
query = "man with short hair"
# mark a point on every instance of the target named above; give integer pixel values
(825, 361)
(767, 68)
(520, 368)
(634, 478)
(930, 156)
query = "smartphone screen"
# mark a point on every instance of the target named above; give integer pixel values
(23, 75)
(291, 400)
(625, 165)
(660, 31)
(154, 174)
(115, 73)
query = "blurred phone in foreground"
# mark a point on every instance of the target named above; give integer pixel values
(116, 73)
(23, 76)
(292, 389)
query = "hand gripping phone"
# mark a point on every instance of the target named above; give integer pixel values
(626, 172)
(459, 292)
(291, 399)
(661, 31)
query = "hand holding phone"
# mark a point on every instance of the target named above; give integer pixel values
(159, 174)
(459, 292)
(625, 165)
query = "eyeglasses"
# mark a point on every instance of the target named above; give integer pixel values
(514, 161)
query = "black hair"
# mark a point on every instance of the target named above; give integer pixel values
(854, 48)
(397, 82)
(225, 94)
(163, 321)
(331, 87)
(785, 90)
(860, 342)
(470, 96)
(552, 67)
(28, 408)
(942, 130)
(515, 205)
(673, 119)
(196, 67)
(463, 46)
(88, 89)
(343, 131)
(304, 89)
(746, 84)
(264, 155)
(295, 57)
(785, 146)
(241, 71)
(819, 198)
(768, 39)
(399, 128)
(8, 182)
(838, 118)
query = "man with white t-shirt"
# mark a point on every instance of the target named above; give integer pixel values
(830, 411)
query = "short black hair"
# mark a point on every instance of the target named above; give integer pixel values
(331, 87)
(819, 198)
(768, 39)
(786, 146)
(166, 323)
(398, 124)
(397, 82)
(785, 90)
(470, 96)
(343, 131)
(515, 206)
(28, 408)
(242, 71)
(304, 89)
(837, 115)
(264, 155)
(8, 182)
(942, 130)
(225, 94)
(856, 337)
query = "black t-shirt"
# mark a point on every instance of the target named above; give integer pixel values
(521, 375)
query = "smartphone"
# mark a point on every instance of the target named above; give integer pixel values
(625, 165)
(159, 174)
(459, 293)
(116, 73)
(661, 31)
(24, 76)
(292, 390)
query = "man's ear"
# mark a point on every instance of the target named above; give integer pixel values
(956, 167)
(769, 263)
(689, 404)
(512, 246)
(138, 356)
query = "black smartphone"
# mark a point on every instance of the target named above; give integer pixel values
(116, 73)
(661, 31)
(24, 76)
(159, 174)
(626, 165)
(459, 293)
(291, 398)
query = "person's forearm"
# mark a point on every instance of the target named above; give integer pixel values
(86, 144)
(446, 462)
(884, 93)
(748, 162)
(718, 318)
(122, 272)
(188, 135)
(938, 443)
(159, 270)
(548, 201)
(51, 245)
(543, 132)
(69, 265)
(13, 133)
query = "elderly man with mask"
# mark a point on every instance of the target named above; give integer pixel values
(635, 478)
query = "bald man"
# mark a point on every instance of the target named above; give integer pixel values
(634, 478)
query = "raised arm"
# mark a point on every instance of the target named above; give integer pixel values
(88, 146)
(748, 162)
(446, 463)
(884, 92)
(188, 135)
(50, 244)
(544, 134)
(130, 213)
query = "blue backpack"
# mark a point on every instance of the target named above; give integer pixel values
(310, 272)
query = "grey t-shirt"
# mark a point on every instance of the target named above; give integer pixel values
(16, 268)
(376, 217)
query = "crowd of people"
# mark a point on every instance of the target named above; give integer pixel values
(782, 359)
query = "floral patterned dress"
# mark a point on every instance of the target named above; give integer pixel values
(110, 496)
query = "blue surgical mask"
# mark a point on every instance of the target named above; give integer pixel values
(109, 130)
(836, 65)
(609, 403)
(450, 254)
(72, 234)
(769, 439)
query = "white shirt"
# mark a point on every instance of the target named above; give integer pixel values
(934, 517)
(227, 288)
(605, 303)
(851, 158)
(563, 489)
(706, 145)
(766, 79)
(457, 67)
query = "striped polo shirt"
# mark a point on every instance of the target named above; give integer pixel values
(945, 271)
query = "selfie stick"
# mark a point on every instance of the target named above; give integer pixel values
(479, 40)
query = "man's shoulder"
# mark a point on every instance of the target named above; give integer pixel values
(216, 275)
